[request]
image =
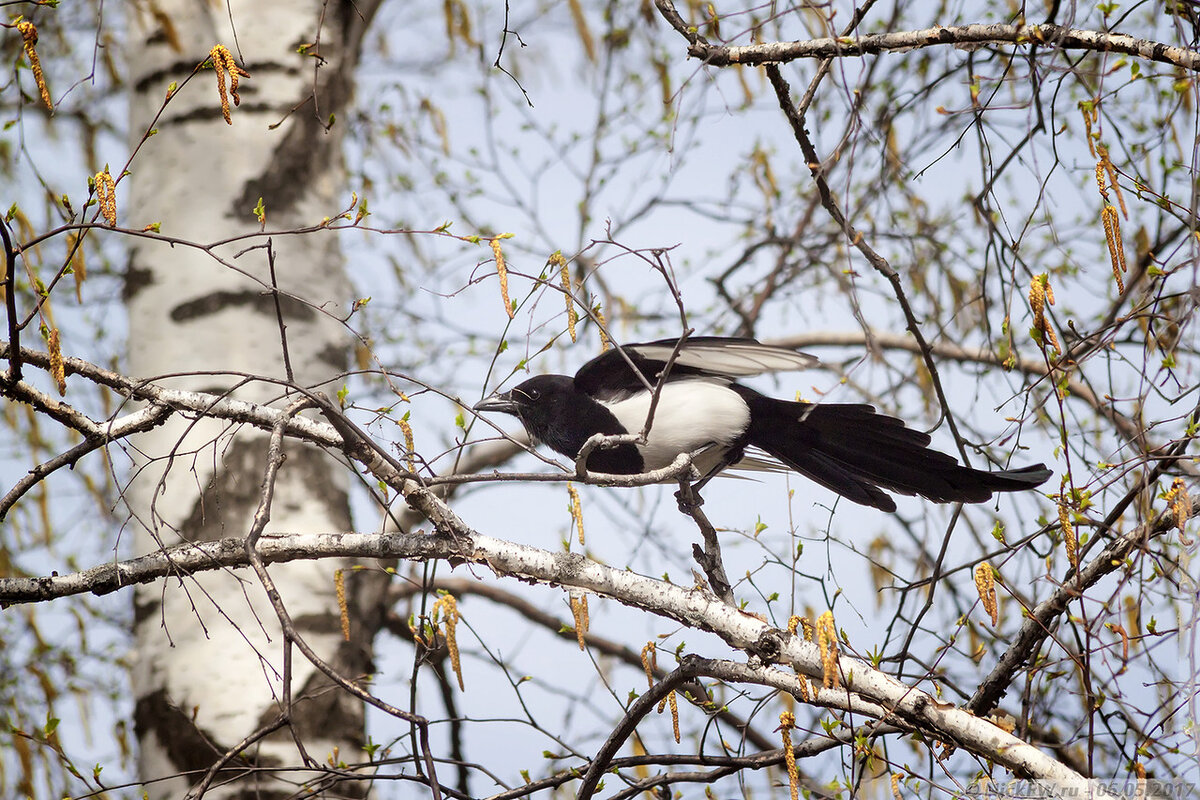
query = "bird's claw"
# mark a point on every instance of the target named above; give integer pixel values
(688, 500)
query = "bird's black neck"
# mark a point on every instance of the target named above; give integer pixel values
(575, 418)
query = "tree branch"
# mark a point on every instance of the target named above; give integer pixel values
(1038, 622)
(10, 305)
(864, 687)
(96, 435)
(1127, 428)
(795, 118)
(962, 36)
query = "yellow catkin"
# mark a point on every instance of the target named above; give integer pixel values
(1090, 115)
(1116, 246)
(564, 279)
(649, 662)
(339, 585)
(674, 715)
(793, 624)
(1179, 502)
(827, 641)
(502, 274)
(602, 323)
(1101, 183)
(406, 429)
(1133, 614)
(449, 608)
(1106, 178)
(57, 368)
(576, 508)
(1124, 634)
(223, 64)
(1068, 532)
(787, 721)
(579, 610)
(582, 30)
(218, 62)
(1111, 171)
(896, 786)
(807, 626)
(1041, 294)
(29, 37)
(985, 585)
(639, 750)
(106, 196)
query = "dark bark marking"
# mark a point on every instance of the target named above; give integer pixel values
(189, 747)
(136, 279)
(258, 301)
(228, 502)
(144, 607)
(335, 356)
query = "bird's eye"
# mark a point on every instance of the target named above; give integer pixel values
(532, 394)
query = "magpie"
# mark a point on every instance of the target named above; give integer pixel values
(701, 410)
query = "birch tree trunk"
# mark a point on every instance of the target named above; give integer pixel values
(209, 663)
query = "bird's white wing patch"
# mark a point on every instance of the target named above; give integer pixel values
(691, 415)
(735, 359)
(756, 460)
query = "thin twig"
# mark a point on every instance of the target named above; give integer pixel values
(262, 515)
(10, 304)
(1041, 619)
(283, 342)
(639, 709)
(855, 237)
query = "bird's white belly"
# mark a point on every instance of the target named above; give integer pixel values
(691, 415)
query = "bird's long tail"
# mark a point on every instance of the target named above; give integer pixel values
(858, 453)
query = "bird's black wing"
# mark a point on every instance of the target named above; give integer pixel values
(616, 374)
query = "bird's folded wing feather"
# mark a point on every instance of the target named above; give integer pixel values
(610, 374)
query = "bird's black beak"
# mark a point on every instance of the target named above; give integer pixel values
(503, 403)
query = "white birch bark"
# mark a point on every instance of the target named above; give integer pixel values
(208, 665)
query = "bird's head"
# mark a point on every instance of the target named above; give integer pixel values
(536, 402)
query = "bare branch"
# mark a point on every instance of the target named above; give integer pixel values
(633, 715)
(262, 515)
(10, 305)
(855, 237)
(864, 685)
(1127, 428)
(97, 436)
(1041, 619)
(962, 36)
